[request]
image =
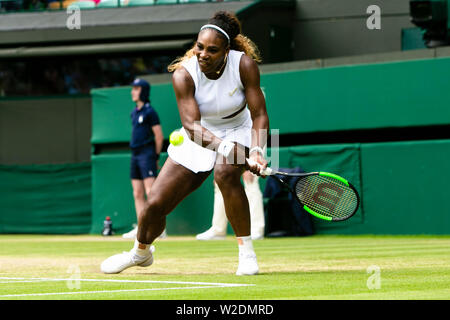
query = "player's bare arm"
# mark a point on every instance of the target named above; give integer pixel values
(250, 78)
(190, 114)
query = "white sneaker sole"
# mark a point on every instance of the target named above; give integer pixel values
(247, 266)
(247, 272)
(114, 264)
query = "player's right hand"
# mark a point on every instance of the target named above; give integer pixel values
(258, 164)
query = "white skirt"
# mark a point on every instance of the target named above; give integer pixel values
(198, 159)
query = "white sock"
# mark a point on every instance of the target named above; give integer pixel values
(245, 245)
(144, 249)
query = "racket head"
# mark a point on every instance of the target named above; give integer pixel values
(327, 196)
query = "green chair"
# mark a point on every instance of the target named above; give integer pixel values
(83, 4)
(167, 1)
(133, 3)
(179, 1)
(111, 4)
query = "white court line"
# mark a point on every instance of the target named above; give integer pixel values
(131, 281)
(23, 281)
(202, 285)
(105, 291)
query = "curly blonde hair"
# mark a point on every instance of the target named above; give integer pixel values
(232, 26)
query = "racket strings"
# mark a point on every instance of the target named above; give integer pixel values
(327, 196)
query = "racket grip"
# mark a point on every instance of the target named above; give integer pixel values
(266, 172)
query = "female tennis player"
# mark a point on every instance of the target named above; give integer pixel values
(224, 118)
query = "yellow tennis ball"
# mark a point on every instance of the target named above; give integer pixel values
(176, 138)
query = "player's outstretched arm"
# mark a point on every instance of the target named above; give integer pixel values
(190, 119)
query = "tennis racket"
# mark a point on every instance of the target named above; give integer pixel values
(325, 195)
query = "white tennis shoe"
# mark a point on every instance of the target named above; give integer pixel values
(247, 264)
(210, 235)
(119, 262)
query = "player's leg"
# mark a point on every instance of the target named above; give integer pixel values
(172, 185)
(148, 182)
(228, 179)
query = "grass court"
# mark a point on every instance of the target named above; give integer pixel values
(57, 267)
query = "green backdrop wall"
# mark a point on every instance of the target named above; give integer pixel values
(111, 110)
(373, 96)
(112, 195)
(112, 192)
(382, 95)
(394, 178)
(402, 184)
(53, 199)
(403, 187)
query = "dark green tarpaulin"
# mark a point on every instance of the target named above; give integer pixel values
(111, 108)
(46, 199)
(112, 194)
(372, 96)
(403, 186)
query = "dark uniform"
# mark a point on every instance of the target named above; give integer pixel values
(142, 143)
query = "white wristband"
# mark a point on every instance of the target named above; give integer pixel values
(258, 149)
(225, 148)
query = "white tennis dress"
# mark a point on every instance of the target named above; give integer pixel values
(216, 100)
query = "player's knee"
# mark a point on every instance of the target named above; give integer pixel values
(154, 208)
(226, 176)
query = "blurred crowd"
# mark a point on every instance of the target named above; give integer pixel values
(32, 5)
(37, 77)
(20, 5)
(76, 75)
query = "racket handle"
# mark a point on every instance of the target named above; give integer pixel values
(265, 172)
